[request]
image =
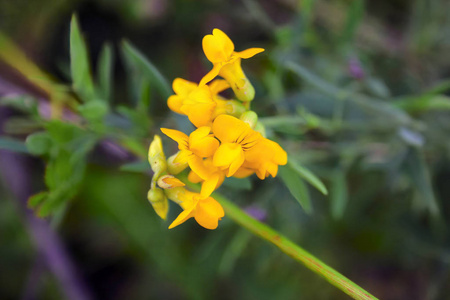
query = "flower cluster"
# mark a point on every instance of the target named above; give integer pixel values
(229, 140)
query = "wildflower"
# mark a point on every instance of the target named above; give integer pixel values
(242, 147)
(219, 50)
(236, 137)
(206, 211)
(201, 103)
(199, 144)
(211, 177)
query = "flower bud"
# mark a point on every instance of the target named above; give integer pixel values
(175, 168)
(260, 128)
(169, 181)
(159, 201)
(156, 157)
(240, 84)
(250, 117)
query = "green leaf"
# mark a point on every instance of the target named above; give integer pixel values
(79, 63)
(13, 145)
(94, 110)
(137, 167)
(62, 132)
(377, 87)
(105, 72)
(144, 96)
(138, 59)
(424, 103)
(296, 186)
(339, 194)
(24, 103)
(372, 105)
(308, 176)
(57, 197)
(39, 143)
(421, 178)
(37, 199)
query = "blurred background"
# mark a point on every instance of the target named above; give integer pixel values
(357, 91)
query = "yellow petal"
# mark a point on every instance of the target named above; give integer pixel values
(202, 143)
(249, 52)
(272, 169)
(175, 102)
(243, 172)
(183, 87)
(194, 178)
(208, 213)
(182, 157)
(229, 129)
(177, 136)
(209, 185)
(218, 86)
(266, 150)
(169, 181)
(199, 106)
(196, 164)
(217, 47)
(176, 167)
(200, 114)
(229, 155)
(211, 74)
(184, 216)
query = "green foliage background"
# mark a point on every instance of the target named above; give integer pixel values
(356, 91)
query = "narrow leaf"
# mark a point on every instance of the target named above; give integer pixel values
(296, 186)
(308, 176)
(339, 194)
(133, 55)
(79, 63)
(12, 145)
(105, 72)
(421, 178)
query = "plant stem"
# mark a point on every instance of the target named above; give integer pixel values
(293, 250)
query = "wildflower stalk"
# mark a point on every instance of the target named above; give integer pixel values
(293, 250)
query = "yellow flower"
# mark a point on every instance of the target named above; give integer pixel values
(236, 138)
(201, 103)
(245, 150)
(206, 211)
(193, 148)
(219, 50)
(264, 158)
(211, 177)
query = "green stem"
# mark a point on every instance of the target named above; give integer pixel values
(293, 250)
